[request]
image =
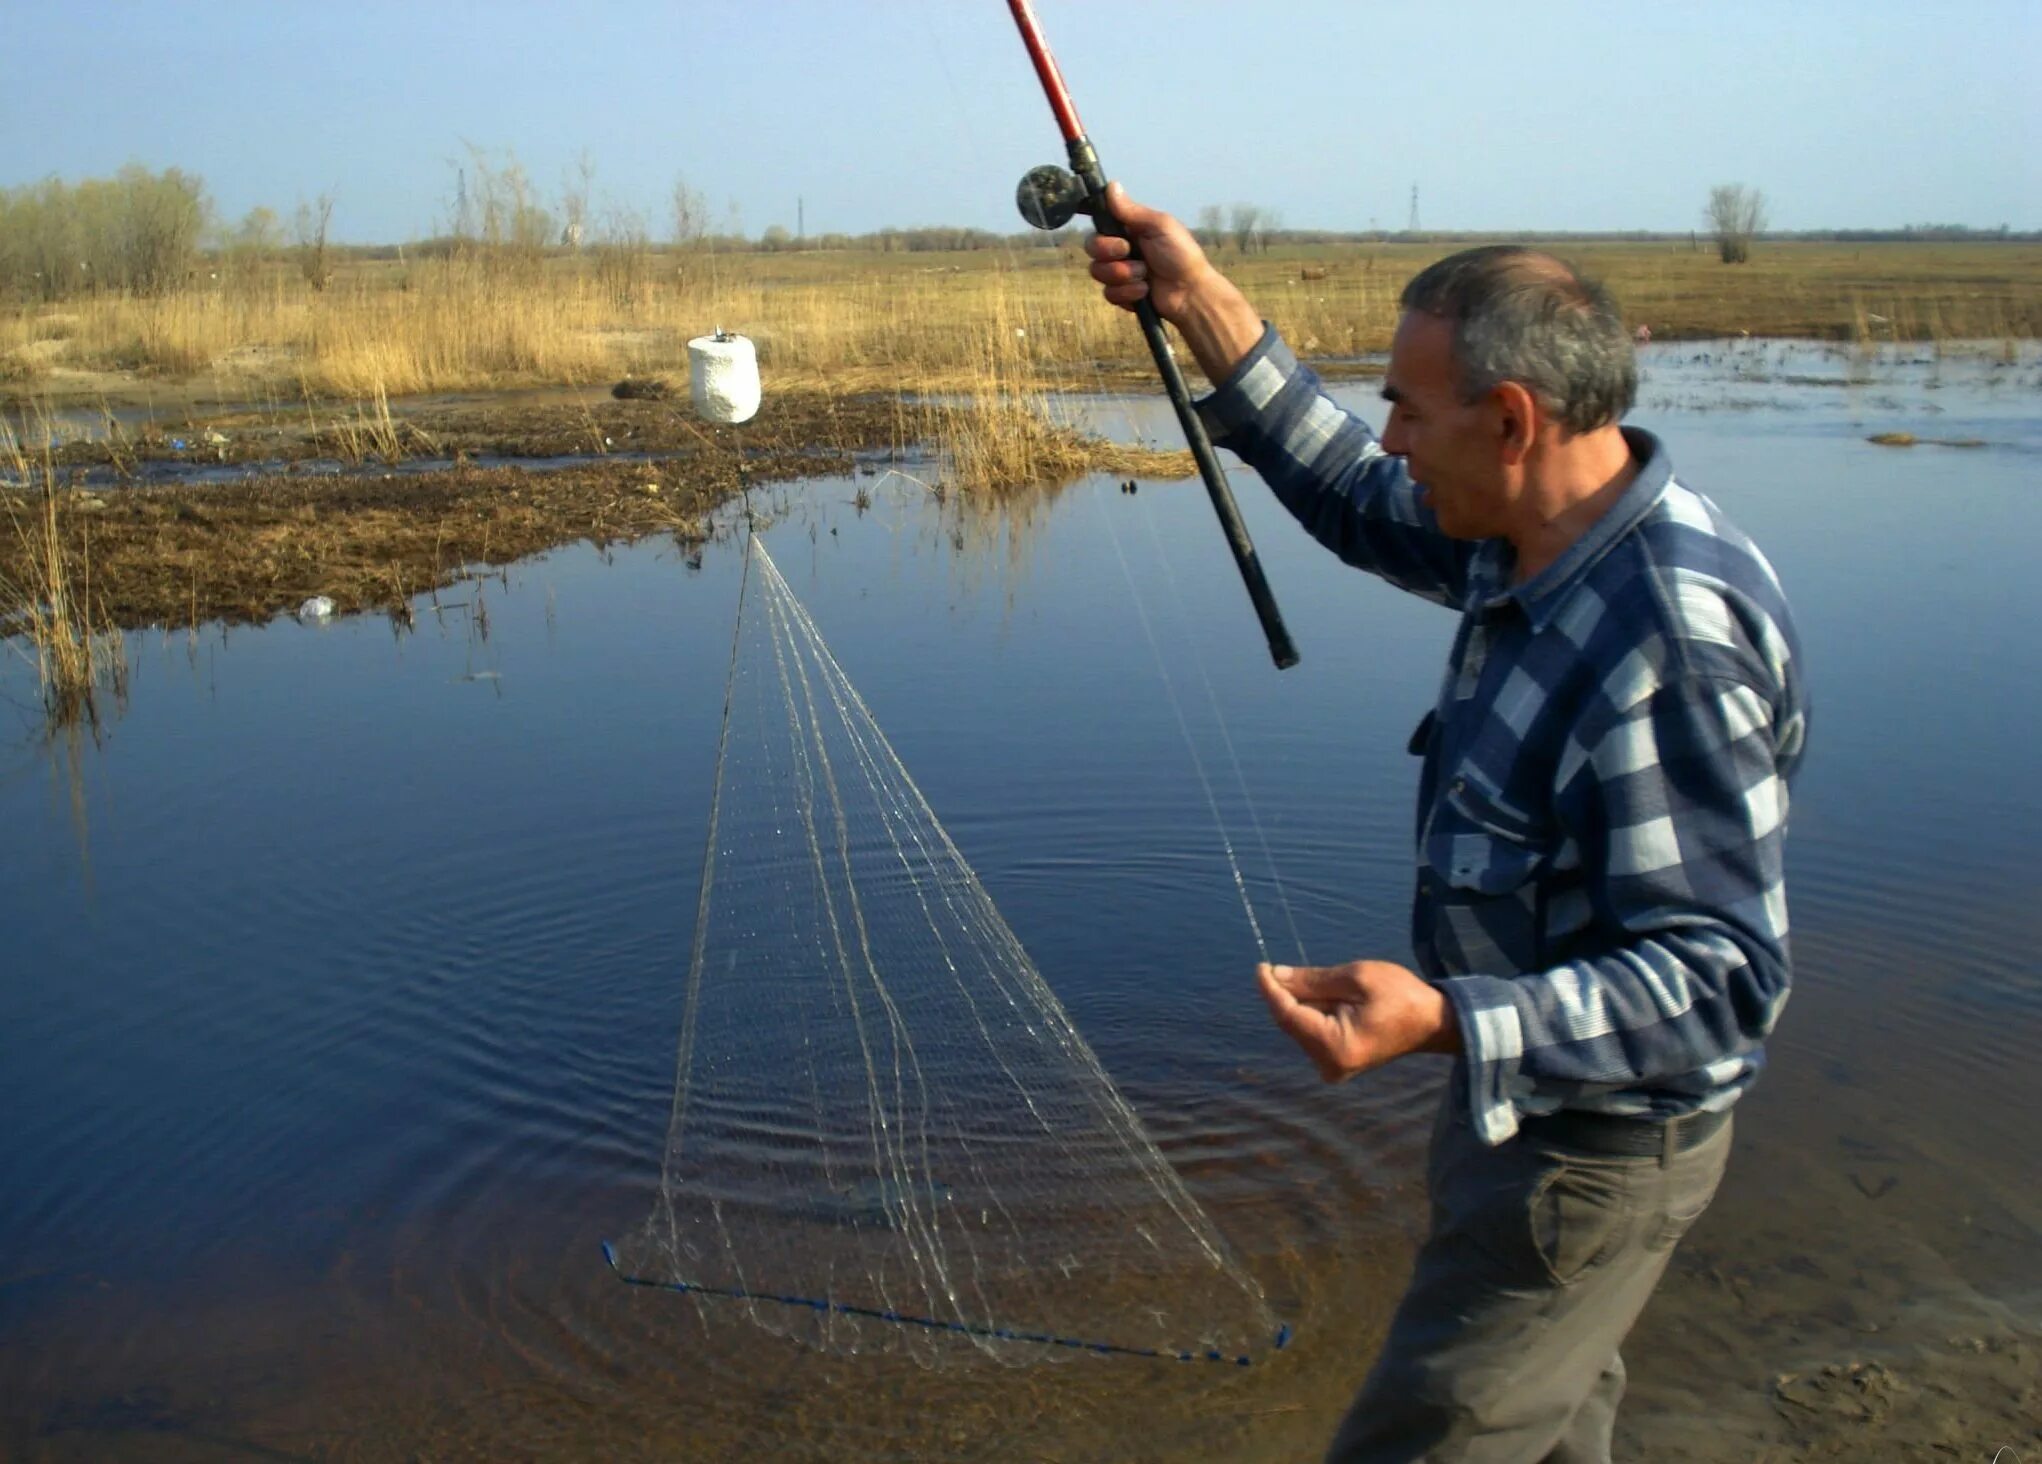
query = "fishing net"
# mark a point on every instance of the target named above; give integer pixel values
(887, 1135)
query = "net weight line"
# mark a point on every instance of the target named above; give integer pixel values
(1004, 1334)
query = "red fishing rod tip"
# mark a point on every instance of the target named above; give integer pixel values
(1046, 70)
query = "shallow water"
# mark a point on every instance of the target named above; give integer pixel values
(337, 1024)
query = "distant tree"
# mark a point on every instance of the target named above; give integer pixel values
(1272, 225)
(1736, 216)
(512, 229)
(42, 251)
(689, 217)
(142, 231)
(310, 228)
(574, 200)
(1246, 222)
(137, 231)
(690, 214)
(252, 244)
(1212, 226)
(775, 239)
(259, 230)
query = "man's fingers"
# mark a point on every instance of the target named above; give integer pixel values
(1310, 1025)
(1319, 983)
(1139, 218)
(1119, 271)
(1107, 247)
(1282, 1005)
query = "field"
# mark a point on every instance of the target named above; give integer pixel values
(904, 321)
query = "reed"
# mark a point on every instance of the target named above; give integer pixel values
(49, 614)
(369, 429)
(998, 432)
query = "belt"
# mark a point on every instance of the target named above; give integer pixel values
(1613, 1134)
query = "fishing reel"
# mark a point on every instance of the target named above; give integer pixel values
(1050, 197)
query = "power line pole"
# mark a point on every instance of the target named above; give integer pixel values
(800, 221)
(1412, 227)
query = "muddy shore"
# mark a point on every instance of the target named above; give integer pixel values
(239, 516)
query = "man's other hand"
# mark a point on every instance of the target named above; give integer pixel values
(1351, 1018)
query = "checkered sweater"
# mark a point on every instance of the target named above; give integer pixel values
(1604, 795)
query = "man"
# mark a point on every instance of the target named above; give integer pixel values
(1600, 916)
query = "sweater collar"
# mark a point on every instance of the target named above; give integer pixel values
(1491, 570)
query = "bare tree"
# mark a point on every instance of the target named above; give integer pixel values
(310, 229)
(1246, 221)
(513, 230)
(1736, 216)
(1272, 225)
(690, 214)
(1212, 226)
(690, 221)
(574, 200)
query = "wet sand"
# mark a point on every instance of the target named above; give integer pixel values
(1764, 1343)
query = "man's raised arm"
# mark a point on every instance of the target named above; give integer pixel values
(1321, 461)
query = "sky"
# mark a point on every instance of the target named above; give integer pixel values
(867, 113)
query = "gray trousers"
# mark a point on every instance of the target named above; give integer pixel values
(1504, 1349)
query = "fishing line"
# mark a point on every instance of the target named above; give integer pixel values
(1227, 740)
(1057, 366)
(1184, 726)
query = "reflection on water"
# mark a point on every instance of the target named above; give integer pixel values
(326, 1080)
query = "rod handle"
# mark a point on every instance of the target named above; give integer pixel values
(1281, 649)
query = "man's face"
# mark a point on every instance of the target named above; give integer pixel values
(1454, 449)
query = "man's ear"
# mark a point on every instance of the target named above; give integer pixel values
(1517, 421)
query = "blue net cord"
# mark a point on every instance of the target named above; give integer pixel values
(934, 1324)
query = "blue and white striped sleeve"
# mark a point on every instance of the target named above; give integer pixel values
(1679, 808)
(1326, 467)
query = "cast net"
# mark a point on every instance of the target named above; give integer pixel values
(886, 1133)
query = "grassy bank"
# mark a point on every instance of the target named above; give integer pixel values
(918, 322)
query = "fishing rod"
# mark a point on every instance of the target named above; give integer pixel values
(1050, 197)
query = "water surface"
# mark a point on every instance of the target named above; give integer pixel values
(342, 982)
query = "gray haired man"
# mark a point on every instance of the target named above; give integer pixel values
(1600, 918)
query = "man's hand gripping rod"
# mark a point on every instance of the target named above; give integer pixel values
(1049, 197)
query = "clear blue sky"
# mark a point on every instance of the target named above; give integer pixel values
(1561, 116)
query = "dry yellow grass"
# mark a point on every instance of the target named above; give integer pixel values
(920, 322)
(51, 614)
